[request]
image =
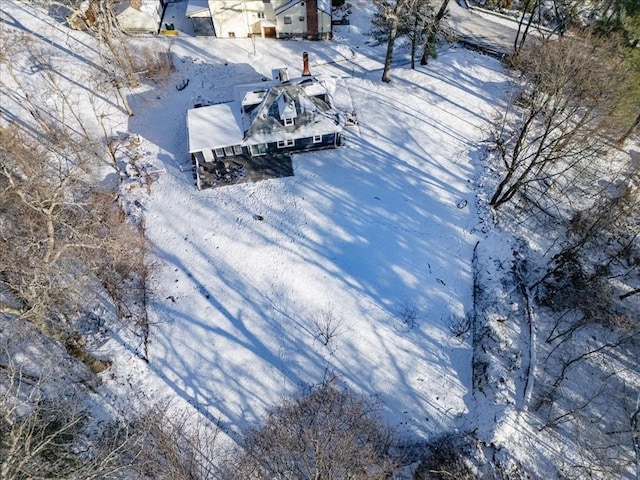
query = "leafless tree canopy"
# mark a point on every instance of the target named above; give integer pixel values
(62, 239)
(565, 115)
(327, 433)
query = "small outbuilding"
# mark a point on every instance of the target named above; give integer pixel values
(140, 16)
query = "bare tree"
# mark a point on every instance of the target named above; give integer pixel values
(428, 49)
(98, 17)
(327, 325)
(633, 127)
(565, 112)
(445, 459)
(391, 23)
(173, 444)
(42, 436)
(326, 433)
(64, 240)
(61, 237)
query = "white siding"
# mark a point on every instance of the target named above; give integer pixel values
(238, 17)
(296, 27)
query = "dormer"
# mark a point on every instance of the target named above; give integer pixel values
(251, 100)
(286, 110)
(280, 75)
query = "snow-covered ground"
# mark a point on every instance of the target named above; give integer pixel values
(375, 237)
(377, 234)
(373, 240)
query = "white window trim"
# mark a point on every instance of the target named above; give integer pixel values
(237, 149)
(219, 152)
(288, 122)
(287, 20)
(254, 150)
(317, 139)
(286, 143)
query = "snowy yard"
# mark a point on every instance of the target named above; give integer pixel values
(355, 268)
(375, 237)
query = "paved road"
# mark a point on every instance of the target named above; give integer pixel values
(483, 30)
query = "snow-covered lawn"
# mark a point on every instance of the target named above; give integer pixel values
(354, 267)
(376, 235)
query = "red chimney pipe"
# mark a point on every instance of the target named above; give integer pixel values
(305, 65)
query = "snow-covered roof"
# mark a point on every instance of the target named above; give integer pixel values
(224, 124)
(146, 7)
(313, 89)
(314, 116)
(214, 126)
(252, 90)
(196, 6)
(324, 5)
(253, 97)
(286, 106)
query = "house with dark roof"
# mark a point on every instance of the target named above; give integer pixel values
(309, 19)
(268, 119)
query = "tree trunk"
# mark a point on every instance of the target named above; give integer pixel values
(393, 33)
(429, 45)
(518, 44)
(414, 41)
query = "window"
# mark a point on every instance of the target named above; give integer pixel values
(206, 155)
(259, 149)
(286, 143)
(219, 152)
(317, 138)
(287, 20)
(232, 35)
(288, 122)
(260, 14)
(301, 19)
(237, 149)
(228, 151)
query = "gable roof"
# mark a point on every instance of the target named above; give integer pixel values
(324, 5)
(256, 115)
(195, 7)
(221, 121)
(291, 99)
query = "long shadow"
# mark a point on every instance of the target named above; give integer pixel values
(10, 21)
(377, 217)
(209, 83)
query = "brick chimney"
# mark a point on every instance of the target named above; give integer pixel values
(312, 19)
(305, 65)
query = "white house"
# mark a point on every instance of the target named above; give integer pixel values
(140, 16)
(265, 18)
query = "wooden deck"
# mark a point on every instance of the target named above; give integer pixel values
(244, 169)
